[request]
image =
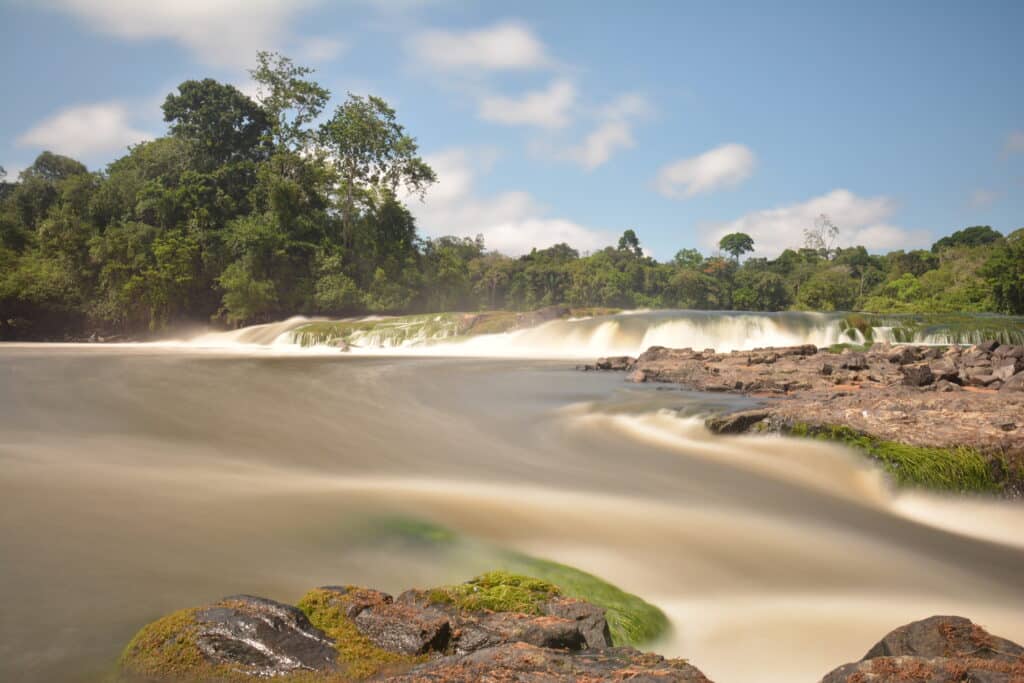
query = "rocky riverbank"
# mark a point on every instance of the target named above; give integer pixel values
(942, 417)
(498, 627)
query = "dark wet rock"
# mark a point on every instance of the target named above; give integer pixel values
(615, 363)
(524, 662)
(735, 423)
(590, 620)
(917, 375)
(399, 628)
(262, 637)
(940, 648)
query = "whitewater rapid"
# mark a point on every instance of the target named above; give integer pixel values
(141, 479)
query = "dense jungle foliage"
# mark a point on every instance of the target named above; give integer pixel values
(250, 210)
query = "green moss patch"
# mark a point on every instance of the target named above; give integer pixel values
(631, 620)
(497, 591)
(357, 654)
(961, 469)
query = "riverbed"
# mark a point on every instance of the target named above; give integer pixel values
(140, 479)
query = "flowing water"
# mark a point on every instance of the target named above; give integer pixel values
(139, 479)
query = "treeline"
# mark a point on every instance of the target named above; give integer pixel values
(252, 210)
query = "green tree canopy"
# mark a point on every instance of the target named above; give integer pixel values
(737, 244)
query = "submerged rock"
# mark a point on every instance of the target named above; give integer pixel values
(940, 649)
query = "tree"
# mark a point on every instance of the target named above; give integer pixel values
(1004, 272)
(970, 237)
(221, 122)
(291, 101)
(370, 150)
(629, 243)
(688, 258)
(736, 243)
(822, 235)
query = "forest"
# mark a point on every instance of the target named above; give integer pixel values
(254, 209)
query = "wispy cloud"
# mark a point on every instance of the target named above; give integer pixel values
(1014, 143)
(718, 168)
(982, 198)
(506, 45)
(861, 220)
(511, 222)
(80, 131)
(548, 108)
(614, 132)
(219, 32)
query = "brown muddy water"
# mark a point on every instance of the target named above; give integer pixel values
(138, 480)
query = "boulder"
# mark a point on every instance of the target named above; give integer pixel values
(944, 369)
(901, 355)
(523, 662)
(941, 649)
(615, 363)
(408, 631)
(988, 346)
(1015, 383)
(917, 375)
(735, 423)
(261, 637)
(590, 620)
(853, 361)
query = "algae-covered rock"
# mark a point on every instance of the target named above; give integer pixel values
(347, 633)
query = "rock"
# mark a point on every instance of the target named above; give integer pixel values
(615, 363)
(826, 369)
(902, 355)
(944, 369)
(853, 361)
(402, 629)
(940, 648)
(263, 637)
(946, 386)
(527, 663)
(735, 423)
(917, 375)
(590, 620)
(988, 346)
(1015, 383)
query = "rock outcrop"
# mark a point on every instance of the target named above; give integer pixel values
(922, 396)
(940, 649)
(498, 627)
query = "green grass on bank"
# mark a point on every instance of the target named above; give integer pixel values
(960, 469)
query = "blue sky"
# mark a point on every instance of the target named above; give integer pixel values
(571, 121)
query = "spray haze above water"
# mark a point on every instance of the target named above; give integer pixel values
(140, 479)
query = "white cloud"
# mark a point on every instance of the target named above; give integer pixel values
(548, 108)
(614, 132)
(85, 130)
(320, 49)
(12, 171)
(982, 198)
(511, 222)
(724, 166)
(861, 221)
(1014, 142)
(221, 32)
(505, 45)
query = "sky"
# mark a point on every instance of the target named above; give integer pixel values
(572, 121)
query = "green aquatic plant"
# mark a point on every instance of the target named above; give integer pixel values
(958, 468)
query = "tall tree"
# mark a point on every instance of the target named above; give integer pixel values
(370, 151)
(737, 244)
(291, 100)
(221, 121)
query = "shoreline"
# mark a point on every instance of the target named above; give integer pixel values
(944, 418)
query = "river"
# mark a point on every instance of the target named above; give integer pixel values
(139, 479)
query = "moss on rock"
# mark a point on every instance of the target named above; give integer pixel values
(959, 468)
(498, 591)
(357, 655)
